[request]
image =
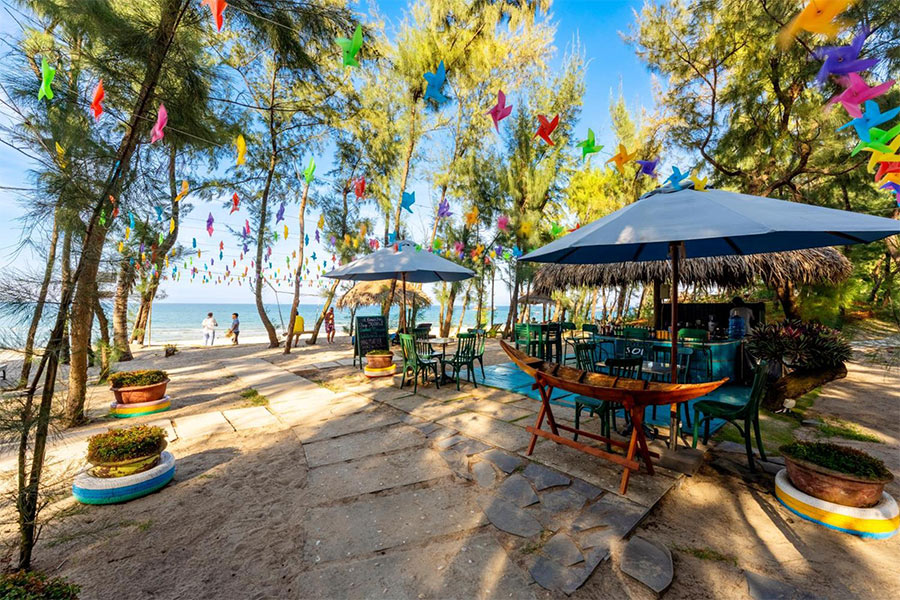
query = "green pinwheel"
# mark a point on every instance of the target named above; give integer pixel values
(351, 47)
(310, 170)
(47, 75)
(588, 146)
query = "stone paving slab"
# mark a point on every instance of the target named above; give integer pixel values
(202, 425)
(553, 576)
(337, 426)
(508, 517)
(326, 365)
(648, 562)
(544, 478)
(319, 410)
(250, 418)
(643, 488)
(563, 550)
(516, 490)
(375, 524)
(488, 430)
(363, 443)
(405, 575)
(498, 410)
(612, 512)
(373, 474)
(562, 500)
(503, 461)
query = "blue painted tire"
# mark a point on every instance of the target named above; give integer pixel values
(88, 489)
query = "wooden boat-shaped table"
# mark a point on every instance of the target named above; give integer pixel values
(634, 395)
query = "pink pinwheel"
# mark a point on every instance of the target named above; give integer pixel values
(856, 91)
(459, 248)
(209, 224)
(500, 110)
(246, 227)
(502, 222)
(843, 60)
(444, 209)
(162, 118)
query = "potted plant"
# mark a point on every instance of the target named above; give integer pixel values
(837, 474)
(138, 386)
(812, 353)
(379, 359)
(121, 452)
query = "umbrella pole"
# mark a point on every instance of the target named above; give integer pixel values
(405, 327)
(674, 249)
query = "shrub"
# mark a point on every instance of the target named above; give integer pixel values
(32, 585)
(135, 378)
(838, 458)
(123, 444)
(170, 350)
(379, 353)
(799, 345)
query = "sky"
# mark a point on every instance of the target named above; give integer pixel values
(611, 63)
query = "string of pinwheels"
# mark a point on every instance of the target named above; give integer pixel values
(843, 63)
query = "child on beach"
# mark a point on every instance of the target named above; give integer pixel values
(329, 325)
(209, 330)
(235, 328)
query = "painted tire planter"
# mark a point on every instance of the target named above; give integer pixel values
(139, 409)
(380, 372)
(88, 489)
(879, 522)
(379, 361)
(140, 393)
(834, 486)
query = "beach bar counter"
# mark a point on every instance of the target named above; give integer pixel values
(711, 360)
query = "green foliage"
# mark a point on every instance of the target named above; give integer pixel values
(838, 458)
(799, 345)
(254, 398)
(33, 585)
(123, 444)
(708, 554)
(834, 427)
(379, 353)
(137, 378)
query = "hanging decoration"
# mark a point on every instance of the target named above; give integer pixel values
(359, 188)
(444, 209)
(162, 117)
(699, 184)
(435, 81)
(350, 48)
(843, 60)
(502, 222)
(309, 171)
(279, 216)
(216, 7)
(856, 92)
(183, 192)
(873, 117)
(621, 158)
(676, 178)
(409, 198)
(588, 146)
(209, 224)
(648, 167)
(235, 203)
(47, 75)
(546, 128)
(500, 110)
(97, 102)
(817, 17)
(241, 146)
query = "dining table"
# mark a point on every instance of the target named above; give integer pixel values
(443, 342)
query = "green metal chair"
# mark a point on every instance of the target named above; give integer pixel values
(569, 340)
(698, 340)
(464, 357)
(524, 337)
(586, 354)
(481, 338)
(748, 413)
(415, 362)
(663, 355)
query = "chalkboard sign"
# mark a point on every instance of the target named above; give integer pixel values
(371, 334)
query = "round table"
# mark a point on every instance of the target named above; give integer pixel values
(443, 343)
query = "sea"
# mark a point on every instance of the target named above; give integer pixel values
(179, 323)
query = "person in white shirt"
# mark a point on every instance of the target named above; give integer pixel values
(209, 330)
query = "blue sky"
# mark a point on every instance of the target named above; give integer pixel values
(595, 23)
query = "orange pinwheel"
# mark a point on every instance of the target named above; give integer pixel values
(817, 17)
(97, 102)
(621, 158)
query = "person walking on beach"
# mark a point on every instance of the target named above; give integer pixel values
(329, 325)
(209, 330)
(235, 328)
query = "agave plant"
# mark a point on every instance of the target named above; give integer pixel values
(799, 345)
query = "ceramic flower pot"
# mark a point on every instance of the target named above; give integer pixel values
(130, 466)
(834, 486)
(140, 393)
(379, 361)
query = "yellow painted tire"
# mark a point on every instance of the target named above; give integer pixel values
(879, 522)
(381, 372)
(139, 409)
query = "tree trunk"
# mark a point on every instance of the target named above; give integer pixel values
(493, 273)
(263, 218)
(66, 283)
(105, 346)
(315, 334)
(511, 316)
(39, 305)
(298, 275)
(124, 283)
(447, 322)
(785, 295)
(462, 315)
(140, 320)
(797, 383)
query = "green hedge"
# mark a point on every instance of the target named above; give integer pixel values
(838, 458)
(123, 444)
(136, 378)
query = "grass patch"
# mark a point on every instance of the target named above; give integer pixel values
(835, 427)
(145, 525)
(535, 546)
(776, 430)
(708, 554)
(805, 401)
(254, 398)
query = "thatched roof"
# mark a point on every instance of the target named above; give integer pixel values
(535, 298)
(814, 265)
(369, 293)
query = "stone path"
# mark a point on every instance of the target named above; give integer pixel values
(395, 477)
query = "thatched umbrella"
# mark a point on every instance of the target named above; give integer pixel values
(813, 265)
(369, 293)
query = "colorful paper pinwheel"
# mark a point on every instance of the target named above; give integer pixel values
(546, 128)
(500, 110)
(350, 48)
